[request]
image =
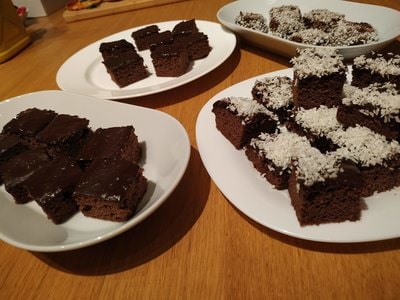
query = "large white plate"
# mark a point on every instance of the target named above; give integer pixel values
(84, 73)
(165, 160)
(385, 20)
(244, 187)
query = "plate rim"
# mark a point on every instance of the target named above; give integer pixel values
(122, 226)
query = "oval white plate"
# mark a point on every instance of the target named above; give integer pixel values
(84, 73)
(385, 20)
(166, 158)
(243, 186)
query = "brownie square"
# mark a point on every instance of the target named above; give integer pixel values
(185, 27)
(10, 146)
(126, 68)
(319, 75)
(322, 192)
(115, 48)
(52, 185)
(285, 20)
(113, 142)
(197, 45)
(111, 189)
(144, 35)
(170, 60)
(241, 119)
(29, 122)
(18, 169)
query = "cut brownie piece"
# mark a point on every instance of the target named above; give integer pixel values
(319, 75)
(253, 21)
(185, 27)
(165, 37)
(197, 45)
(325, 189)
(64, 134)
(10, 146)
(315, 124)
(126, 68)
(377, 158)
(29, 123)
(19, 168)
(113, 142)
(348, 33)
(115, 48)
(52, 185)
(170, 60)
(241, 119)
(376, 107)
(272, 154)
(311, 36)
(285, 20)
(275, 93)
(376, 68)
(143, 36)
(111, 189)
(322, 19)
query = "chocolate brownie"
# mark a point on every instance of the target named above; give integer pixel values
(10, 146)
(64, 134)
(348, 33)
(315, 124)
(114, 142)
(52, 185)
(197, 45)
(376, 68)
(319, 75)
(126, 68)
(165, 37)
(322, 19)
(111, 189)
(186, 27)
(325, 189)
(144, 35)
(272, 154)
(240, 119)
(170, 60)
(311, 36)
(253, 21)
(376, 107)
(29, 123)
(285, 20)
(377, 158)
(275, 93)
(19, 168)
(115, 48)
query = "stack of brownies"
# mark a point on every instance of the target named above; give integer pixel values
(59, 162)
(335, 144)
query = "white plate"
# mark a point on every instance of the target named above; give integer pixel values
(84, 72)
(165, 160)
(244, 187)
(385, 20)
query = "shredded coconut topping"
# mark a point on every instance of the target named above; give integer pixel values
(285, 20)
(363, 146)
(318, 62)
(352, 33)
(383, 97)
(325, 17)
(280, 148)
(319, 120)
(247, 108)
(276, 91)
(311, 36)
(252, 21)
(379, 64)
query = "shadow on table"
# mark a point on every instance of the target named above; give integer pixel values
(191, 89)
(149, 239)
(345, 248)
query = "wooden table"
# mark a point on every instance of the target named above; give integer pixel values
(197, 245)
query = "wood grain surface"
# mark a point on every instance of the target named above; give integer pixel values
(196, 245)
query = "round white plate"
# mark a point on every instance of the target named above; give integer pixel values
(385, 20)
(244, 187)
(165, 160)
(84, 72)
